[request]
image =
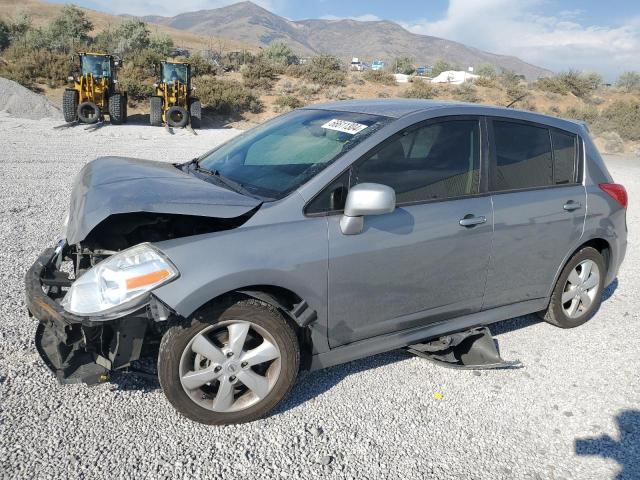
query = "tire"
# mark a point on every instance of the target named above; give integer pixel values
(177, 117)
(116, 108)
(88, 112)
(558, 313)
(177, 360)
(125, 108)
(155, 111)
(195, 113)
(70, 105)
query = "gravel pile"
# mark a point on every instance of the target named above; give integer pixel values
(572, 412)
(21, 102)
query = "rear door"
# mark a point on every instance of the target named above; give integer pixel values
(418, 264)
(539, 208)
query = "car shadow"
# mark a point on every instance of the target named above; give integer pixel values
(624, 451)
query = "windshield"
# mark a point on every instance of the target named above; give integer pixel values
(172, 72)
(96, 66)
(272, 160)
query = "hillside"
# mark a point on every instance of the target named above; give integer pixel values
(42, 12)
(247, 22)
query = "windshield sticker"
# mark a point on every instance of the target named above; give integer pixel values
(344, 126)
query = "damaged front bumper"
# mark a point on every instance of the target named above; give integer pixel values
(82, 349)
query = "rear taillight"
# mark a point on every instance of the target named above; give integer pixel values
(617, 192)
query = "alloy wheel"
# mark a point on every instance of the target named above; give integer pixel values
(581, 289)
(230, 366)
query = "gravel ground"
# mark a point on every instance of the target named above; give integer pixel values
(572, 412)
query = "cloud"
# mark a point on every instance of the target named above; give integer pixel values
(558, 42)
(165, 8)
(367, 17)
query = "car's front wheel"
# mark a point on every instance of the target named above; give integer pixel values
(231, 364)
(578, 291)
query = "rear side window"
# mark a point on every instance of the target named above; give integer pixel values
(564, 157)
(439, 160)
(523, 156)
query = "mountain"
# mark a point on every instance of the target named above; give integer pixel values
(42, 13)
(249, 23)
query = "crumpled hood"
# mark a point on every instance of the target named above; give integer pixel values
(112, 185)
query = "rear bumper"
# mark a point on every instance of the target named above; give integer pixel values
(78, 349)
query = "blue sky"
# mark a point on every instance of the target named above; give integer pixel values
(601, 35)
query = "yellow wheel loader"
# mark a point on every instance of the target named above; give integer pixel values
(94, 93)
(173, 103)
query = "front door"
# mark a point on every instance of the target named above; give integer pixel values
(418, 264)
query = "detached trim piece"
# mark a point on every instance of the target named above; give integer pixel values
(375, 345)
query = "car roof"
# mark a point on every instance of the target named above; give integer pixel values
(401, 107)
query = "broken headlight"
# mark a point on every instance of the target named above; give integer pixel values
(119, 280)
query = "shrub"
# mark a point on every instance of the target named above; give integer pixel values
(516, 92)
(579, 84)
(587, 114)
(487, 71)
(26, 66)
(509, 78)
(379, 76)
(130, 36)
(337, 93)
(623, 118)
(5, 35)
(404, 64)
(308, 91)
(259, 75)
(487, 82)
(200, 65)
(68, 29)
(323, 69)
(465, 92)
(629, 81)
(441, 66)
(135, 80)
(279, 53)
(161, 43)
(226, 96)
(288, 102)
(613, 143)
(420, 89)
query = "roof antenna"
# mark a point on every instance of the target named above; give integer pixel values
(516, 100)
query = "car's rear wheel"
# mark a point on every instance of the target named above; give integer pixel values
(578, 291)
(231, 364)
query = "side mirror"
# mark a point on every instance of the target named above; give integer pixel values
(366, 199)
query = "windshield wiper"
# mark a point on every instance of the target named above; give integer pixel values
(231, 184)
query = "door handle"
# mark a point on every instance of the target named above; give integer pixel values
(570, 206)
(471, 220)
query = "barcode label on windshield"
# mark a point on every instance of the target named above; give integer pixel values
(344, 126)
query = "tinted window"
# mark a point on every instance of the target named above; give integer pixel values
(333, 197)
(523, 156)
(564, 156)
(436, 161)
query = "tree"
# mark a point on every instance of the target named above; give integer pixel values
(68, 29)
(279, 53)
(5, 35)
(487, 70)
(19, 26)
(629, 81)
(161, 43)
(131, 36)
(440, 66)
(404, 64)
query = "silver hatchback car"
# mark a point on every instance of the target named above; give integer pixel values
(325, 235)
